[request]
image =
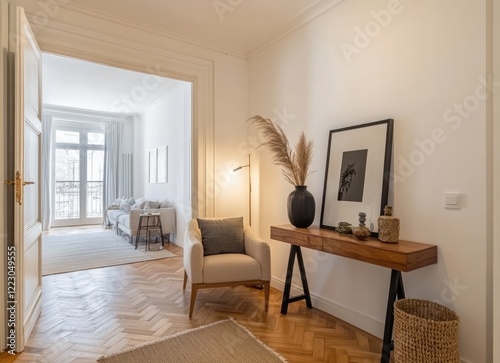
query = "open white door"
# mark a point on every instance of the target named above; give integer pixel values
(25, 290)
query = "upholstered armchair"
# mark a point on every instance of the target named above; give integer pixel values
(226, 253)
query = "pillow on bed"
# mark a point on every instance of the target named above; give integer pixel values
(222, 235)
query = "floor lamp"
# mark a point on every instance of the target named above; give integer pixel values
(249, 188)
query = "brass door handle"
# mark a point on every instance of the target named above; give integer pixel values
(19, 183)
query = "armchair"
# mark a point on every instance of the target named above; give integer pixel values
(253, 267)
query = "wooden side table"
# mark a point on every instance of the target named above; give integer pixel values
(403, 256)
(149, 222)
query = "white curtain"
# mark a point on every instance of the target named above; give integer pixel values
(112, 151)
(46, 171)
(125, 184)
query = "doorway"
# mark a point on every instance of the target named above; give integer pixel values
(81, 99)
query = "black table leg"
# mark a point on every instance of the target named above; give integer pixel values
(396, 291)
(303, 277)
(137, 237)
(295, 251)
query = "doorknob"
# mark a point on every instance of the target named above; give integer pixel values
(18, 183)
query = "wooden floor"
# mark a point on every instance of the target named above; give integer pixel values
(86, 314)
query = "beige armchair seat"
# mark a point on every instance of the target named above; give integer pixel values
(252, 267)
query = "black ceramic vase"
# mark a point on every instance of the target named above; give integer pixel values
(301, 207)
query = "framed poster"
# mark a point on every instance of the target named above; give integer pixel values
(162, 165)
(357, 174)
(152, 165)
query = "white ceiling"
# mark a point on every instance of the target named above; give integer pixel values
(240, 27)
(74, 83)
(235, 26)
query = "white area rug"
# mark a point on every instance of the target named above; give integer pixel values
(83, 251)
(224, 341)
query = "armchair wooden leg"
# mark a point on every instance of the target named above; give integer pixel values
(185, 281)
(194, 290)
(266, 295)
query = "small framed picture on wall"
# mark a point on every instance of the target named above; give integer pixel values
(153, 165)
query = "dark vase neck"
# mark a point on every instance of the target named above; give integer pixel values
(300, 187)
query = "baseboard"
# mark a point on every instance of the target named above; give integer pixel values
(356, 318)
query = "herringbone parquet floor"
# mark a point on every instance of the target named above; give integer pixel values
(89, 313)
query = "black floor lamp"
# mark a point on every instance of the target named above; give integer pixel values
(249, 188)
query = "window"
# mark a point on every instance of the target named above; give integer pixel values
(79, 174)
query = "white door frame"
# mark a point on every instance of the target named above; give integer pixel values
(138, 57)
(3, 195)
(495, 256)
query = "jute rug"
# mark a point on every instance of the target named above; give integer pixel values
(222, 342)
(83, 251)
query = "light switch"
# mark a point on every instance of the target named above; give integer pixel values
(451, 200)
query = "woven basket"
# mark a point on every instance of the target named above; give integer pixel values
(425, 332)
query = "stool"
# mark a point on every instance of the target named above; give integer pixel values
(149, 222)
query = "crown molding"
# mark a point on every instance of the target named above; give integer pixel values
(314, 10)
(131, 23)
(161, 97)
(309, 14)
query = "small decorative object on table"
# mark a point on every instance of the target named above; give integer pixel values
(344, 228)
(295, 167)
(388, 227)
(147, 208)
(361, 232)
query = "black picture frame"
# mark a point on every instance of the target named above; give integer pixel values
(357, 174)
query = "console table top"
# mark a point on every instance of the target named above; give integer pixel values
(402, 256)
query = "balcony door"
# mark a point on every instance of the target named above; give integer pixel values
(77, 189)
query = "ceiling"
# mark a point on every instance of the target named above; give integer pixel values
(234, 26)
(239, 27)
(79, 84)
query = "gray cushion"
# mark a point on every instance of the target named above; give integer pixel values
(222, 235)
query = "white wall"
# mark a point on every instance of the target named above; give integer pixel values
(421, 61)
(167, 123)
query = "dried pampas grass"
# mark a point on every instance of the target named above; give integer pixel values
(295, 163)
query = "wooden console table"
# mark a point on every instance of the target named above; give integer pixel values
(400, 257)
